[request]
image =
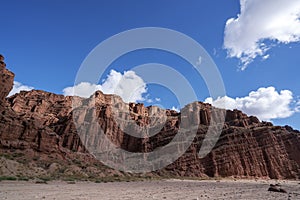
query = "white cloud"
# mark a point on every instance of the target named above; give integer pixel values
(149, 101)
(265, 103)
(83, 89)
(297, 108)
(129, 86)
(157, 99)
(18, 87)
(265, 57)
(175, 108)
(260, 21)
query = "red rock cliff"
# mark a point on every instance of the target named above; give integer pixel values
(7, 79)
(39, 122)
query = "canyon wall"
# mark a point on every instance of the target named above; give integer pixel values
(41, 124)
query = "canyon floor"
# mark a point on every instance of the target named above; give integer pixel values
(163, 189)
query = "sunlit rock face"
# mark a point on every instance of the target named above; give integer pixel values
(40, 123)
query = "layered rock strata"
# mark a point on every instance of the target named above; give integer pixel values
(41, 126)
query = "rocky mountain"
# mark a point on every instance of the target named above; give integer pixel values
(38, 137)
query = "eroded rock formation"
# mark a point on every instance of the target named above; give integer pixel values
(40, 126)
(7, 79)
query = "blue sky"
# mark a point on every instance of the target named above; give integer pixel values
(257, 51)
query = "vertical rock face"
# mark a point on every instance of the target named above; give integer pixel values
(2, 63)
(259, 151)
(42, 123)
(7, 79)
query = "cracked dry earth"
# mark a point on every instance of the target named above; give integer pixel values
(166, 189)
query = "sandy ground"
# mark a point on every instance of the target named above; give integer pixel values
(166, 189)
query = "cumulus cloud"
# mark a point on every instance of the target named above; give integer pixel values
(128, 85)
(18, 87)
(260, 25)
(265, 103)
(83, 89)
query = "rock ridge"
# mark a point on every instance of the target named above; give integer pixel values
(40, 126)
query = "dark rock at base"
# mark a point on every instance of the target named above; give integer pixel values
(276, 188)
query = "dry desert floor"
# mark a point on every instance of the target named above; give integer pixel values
(164, 189)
